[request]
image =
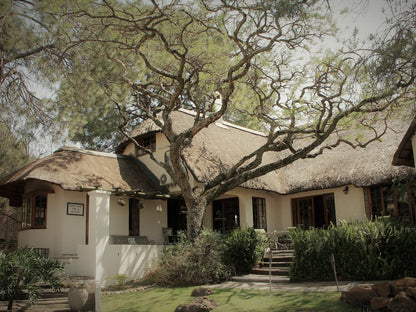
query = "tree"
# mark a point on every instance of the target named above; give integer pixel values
(25, 269)
(26, 39)
(13, 155)
(129, 61)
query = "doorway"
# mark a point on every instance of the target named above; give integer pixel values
(134, 217)
(177, 215)
(314, 211)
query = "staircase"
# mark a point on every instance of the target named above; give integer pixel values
(279, 265)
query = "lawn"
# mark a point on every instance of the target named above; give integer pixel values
(238, 300)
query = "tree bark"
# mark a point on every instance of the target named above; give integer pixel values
(195, 217)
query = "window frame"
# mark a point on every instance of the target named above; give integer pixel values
(382, 202)
(29, 211)
(148, 142)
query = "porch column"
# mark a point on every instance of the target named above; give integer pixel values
(99, 228)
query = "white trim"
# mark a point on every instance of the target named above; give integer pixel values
(226, 123)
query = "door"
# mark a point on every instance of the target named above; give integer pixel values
(177, 215)
(226, 214)
(314, 211)
(134, 217)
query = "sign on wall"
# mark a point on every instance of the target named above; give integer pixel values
(75, 209)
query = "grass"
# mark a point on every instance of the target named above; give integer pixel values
(230, 300)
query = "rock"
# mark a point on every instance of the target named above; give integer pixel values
(77, 298)
(358, 296)
(202, 291)
(402, 284)
(200, 304)
(382, 289)
(402, 303)
(411, 292)
(379, 303)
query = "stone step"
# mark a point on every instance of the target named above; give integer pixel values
(278, 258)
(280, 271)
(254, 278)
(265, 263)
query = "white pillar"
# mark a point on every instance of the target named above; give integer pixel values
(99, 228)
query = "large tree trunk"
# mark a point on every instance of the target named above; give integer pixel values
(196, 210)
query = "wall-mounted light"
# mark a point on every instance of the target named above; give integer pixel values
(140, 204)
(121, 202)
(346, 190)
(159, 208)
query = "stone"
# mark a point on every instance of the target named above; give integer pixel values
(402, 284)
(379, 303)
(200, 304)
(382, 289)
(402, 303)
(202, 291)
(77, 298)
(358, 295)
(411, 292)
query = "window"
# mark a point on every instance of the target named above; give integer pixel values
(146, 142)
(314, 211)
(259, 213)
(386, 200)
(226, 213)
(34, 211)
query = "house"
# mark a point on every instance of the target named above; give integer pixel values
(104, 214)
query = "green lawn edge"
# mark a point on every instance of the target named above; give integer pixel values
(228, 299)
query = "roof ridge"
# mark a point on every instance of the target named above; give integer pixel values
(226, 123)
(90, 152)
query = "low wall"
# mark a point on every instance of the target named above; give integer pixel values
(132, 260)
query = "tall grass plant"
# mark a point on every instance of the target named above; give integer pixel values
(371, 250)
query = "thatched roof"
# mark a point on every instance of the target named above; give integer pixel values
(404, 153)
(219, 146)
(74, 169)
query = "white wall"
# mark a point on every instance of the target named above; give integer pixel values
(246, 207)
(132, 260)
(152, 221)
(63, 232)
(100, 259)
(119, 216)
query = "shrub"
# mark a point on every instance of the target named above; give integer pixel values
(244, 249)
(189, 263)
(362, 251)
(24, 269)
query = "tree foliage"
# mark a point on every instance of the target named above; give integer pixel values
(26, 35)
(151, 59)
(122, 62)
(24, 269)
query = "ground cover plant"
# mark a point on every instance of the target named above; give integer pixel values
(371, 250)
(230, 300)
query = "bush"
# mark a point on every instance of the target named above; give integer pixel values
(191, 263)
(24, 269)
(362, 251)
(244, 249)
